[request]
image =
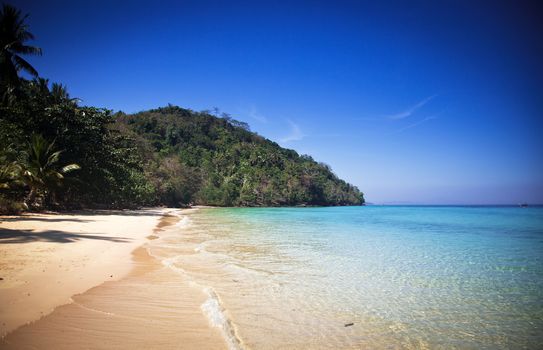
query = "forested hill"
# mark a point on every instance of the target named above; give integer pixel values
(196, 157)
(57, 154)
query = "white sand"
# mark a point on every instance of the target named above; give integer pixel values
(46, 259)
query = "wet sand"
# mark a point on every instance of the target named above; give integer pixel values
(147, 306)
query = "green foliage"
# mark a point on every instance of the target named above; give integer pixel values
(41, 171)
(111, 174)
(10, 169)
(195, 157)
(170, 156)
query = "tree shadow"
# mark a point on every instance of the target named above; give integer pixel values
(89, 212)
(44, 219)
(121, 212)
(9, 236)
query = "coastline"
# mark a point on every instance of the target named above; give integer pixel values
(104, 283)
(45, 259)
(225, 279)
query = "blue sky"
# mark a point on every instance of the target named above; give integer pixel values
(413, 102)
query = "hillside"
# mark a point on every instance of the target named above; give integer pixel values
(57, 154)
(195, 157)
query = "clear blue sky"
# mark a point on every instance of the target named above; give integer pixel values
(416, 102)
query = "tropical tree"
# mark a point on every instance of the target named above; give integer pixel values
(59, 93)
(6, 175)
(41, 171)
(13, 36)
(10, 170)
(10, 181)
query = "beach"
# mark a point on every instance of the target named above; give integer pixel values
(273, 278)
(86, 280)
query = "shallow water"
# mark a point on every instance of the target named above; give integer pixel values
(406, 277)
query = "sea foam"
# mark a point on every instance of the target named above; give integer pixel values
(214, 312)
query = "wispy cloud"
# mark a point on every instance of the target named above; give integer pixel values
(295, 133)
(409, 111)
(422, 121)
(253, 113)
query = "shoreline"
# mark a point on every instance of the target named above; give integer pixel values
(46, 259)
(144, 302)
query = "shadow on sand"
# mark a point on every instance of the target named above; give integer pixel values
(106, 212)
(125, 212)
(9, 236)
(44, 219)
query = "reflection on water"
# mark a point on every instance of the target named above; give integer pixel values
(406, 277)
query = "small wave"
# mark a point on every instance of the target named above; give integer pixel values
(184, 222)
(170, 263)
(211, 308)
(214, 312)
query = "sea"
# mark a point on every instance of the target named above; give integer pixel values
(368, 277)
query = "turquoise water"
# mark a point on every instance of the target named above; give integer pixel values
(406, 277)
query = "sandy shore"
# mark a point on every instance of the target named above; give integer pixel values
(68, 281)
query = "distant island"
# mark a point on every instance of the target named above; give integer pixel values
(55, 153)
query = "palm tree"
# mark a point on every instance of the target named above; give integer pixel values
(13, 35)
(41, 171)
(41, 85)
(59, 93)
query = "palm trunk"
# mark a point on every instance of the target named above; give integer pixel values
(31, 198)
(51, 198)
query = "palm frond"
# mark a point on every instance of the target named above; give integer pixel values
(13, 35)
(53, 158)
(18, 48)
(70, 167)
(42, 173)
(22, 64)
